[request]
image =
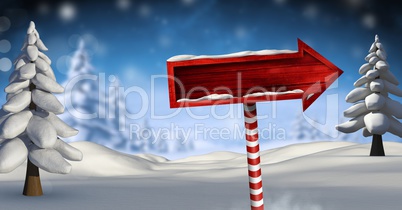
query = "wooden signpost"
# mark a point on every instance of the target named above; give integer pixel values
(249, 77)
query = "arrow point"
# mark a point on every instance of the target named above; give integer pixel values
(301, 45)
(315, 90)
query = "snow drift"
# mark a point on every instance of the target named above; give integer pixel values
(302, 176)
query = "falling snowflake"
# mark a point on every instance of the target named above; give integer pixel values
(188, 2)
(354, 4)
(310, 11)
(144, 11)
(67, 11)
(43, 8)
(4, 23)
(63, 64)
(357, 52)
(369, 21)
(5, 64)
(280, 2)
(123, 4)
(164, 41)
(5, 46)
(240, 32)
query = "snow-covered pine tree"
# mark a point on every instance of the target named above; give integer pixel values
(116, 102)
(29, 126)
(84, 97)
(146, 138)
(183, 145)
(316, 133)
(80, 98)
(374, 111)
(343, 136)
(300, 129)
(162, 145)
(347, 136)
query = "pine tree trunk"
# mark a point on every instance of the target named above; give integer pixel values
(377, 148)
(32, 185)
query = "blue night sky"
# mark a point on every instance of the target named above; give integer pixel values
(132, 39)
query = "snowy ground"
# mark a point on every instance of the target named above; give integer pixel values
(323, 175)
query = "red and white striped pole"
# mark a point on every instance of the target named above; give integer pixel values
(253, 156)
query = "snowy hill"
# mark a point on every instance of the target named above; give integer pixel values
(320, 175)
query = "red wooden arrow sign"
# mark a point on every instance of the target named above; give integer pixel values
(250, 77)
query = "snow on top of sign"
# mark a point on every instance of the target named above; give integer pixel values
(228, 96)
(309, 96)
(237, 54)
(273, 93)
(208, 97)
